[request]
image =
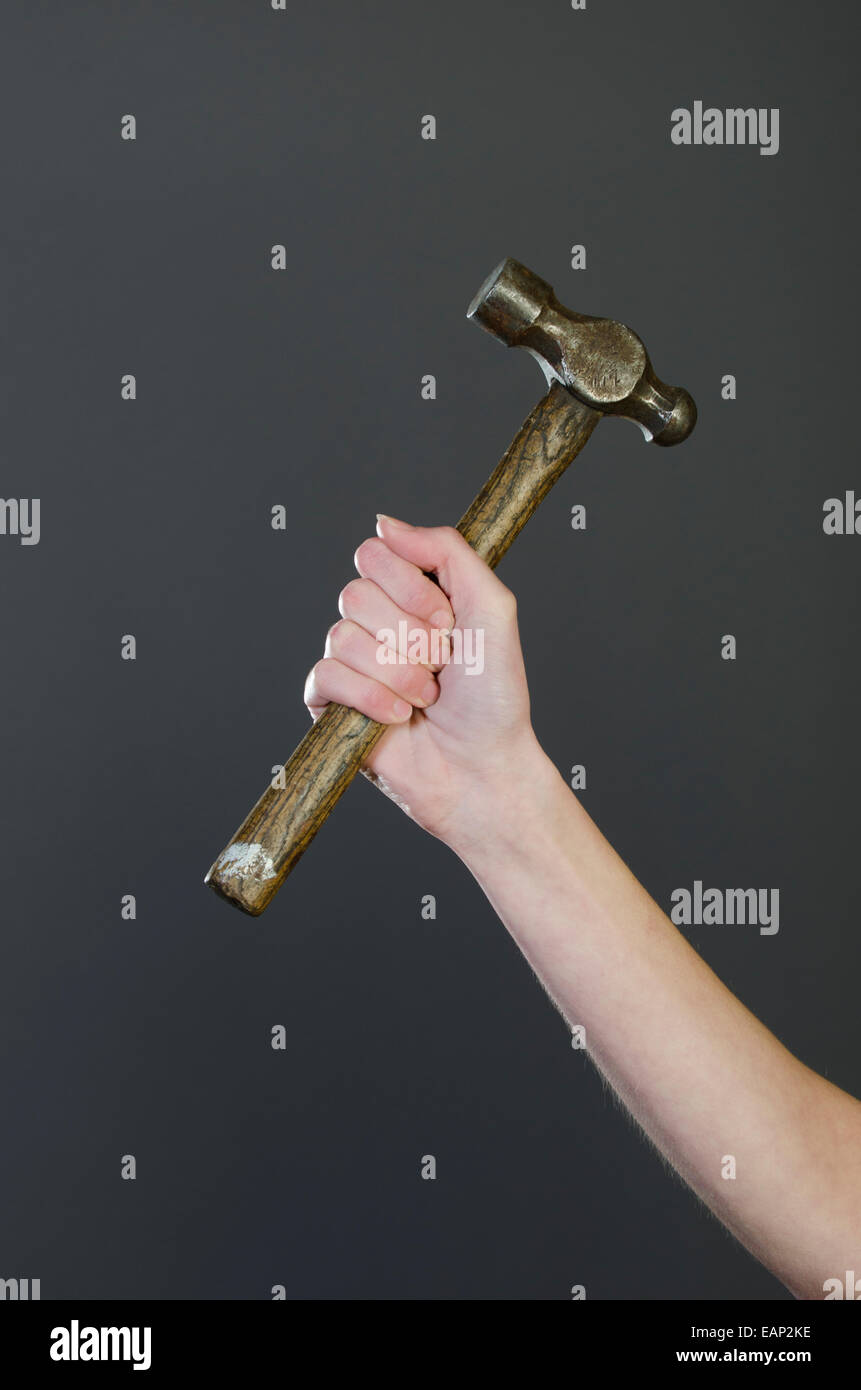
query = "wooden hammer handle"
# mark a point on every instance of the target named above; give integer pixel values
(249, 872)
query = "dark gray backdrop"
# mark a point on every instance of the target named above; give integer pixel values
(404, 1037)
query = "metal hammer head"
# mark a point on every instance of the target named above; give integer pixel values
(601, 362)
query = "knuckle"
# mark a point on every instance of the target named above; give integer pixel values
(339, 637)
(369, 551)
(350, 596)
(312, 680)
(333, 636)
(447, 536)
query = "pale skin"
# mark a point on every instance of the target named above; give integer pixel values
(701, 1075)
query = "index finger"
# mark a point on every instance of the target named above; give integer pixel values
(404, 583)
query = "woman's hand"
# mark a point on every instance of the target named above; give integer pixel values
(461, 740)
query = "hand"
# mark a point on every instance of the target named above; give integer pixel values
(461, 741)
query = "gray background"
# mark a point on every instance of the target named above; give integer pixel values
(404, 1037)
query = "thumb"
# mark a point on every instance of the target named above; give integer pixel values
(469, 583)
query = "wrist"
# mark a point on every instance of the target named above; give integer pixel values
(509, 810)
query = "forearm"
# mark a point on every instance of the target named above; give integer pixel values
(708, 1083)
(696, 1069)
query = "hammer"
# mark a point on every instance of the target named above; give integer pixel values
(593, 367)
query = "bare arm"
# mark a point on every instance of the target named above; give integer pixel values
(702, 1076)
(696, 1069)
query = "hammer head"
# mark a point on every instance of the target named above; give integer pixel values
(601, 362)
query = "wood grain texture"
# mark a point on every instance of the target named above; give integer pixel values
(273, 836)
(549, 438)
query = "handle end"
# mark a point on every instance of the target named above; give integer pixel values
(244, 875)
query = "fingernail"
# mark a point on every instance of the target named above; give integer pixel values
(430, 692)
(393, 521)
(442, 621)
(401, 709)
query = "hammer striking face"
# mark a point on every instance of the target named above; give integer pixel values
(594, 367)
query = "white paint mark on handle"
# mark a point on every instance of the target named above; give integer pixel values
(247, 860)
